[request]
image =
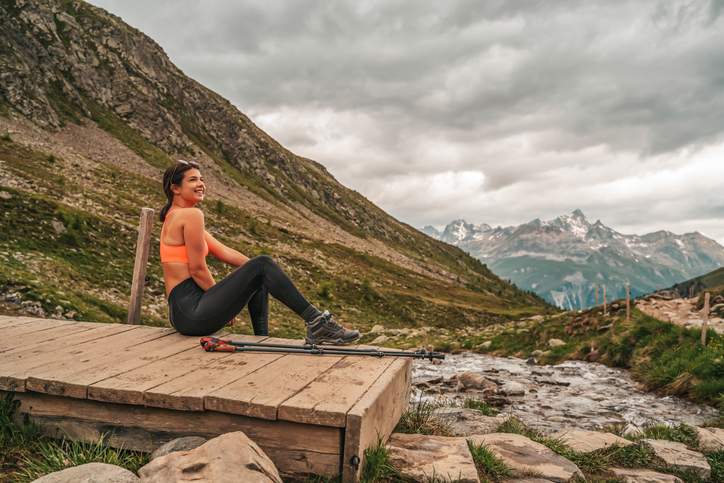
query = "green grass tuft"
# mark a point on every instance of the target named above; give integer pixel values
(421, 418)
(489, 466)
(377, 465)
(480, 405)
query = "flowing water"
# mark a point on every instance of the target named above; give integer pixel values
(571, 394)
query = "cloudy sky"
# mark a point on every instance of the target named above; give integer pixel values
(492, 111)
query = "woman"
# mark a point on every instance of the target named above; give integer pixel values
(200, 306)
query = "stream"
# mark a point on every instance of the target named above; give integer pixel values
(574, 394)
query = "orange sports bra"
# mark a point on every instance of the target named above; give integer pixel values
(177, 253)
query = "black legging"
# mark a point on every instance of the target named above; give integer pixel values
(196, 312)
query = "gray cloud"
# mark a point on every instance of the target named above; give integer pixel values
(495, 111)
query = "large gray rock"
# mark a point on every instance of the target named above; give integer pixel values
(229, 458)
(679, 456)
(711, 439)
(586, 441)
(185, 443)
(419, 457)
(629, 475)
(472, 381)
(466, 421)
(90, 473)
(525, 456)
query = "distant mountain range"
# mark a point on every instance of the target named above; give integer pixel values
(563, 259)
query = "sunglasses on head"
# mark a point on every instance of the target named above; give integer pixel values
(193, 164)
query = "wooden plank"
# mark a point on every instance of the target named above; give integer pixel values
(14, 343)
(17, 365)
(37, 325)
(294, 448)
(129, 387)
(260, 393)
(328, 398)
(72, 379)
(187, 392)
(11, 321)
(375, 415)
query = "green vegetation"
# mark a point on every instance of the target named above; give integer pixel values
(480, 405)
(489, 466)
(25, 454)
(421, 418)
(377, 466)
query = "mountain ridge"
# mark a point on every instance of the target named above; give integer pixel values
(93, 111)
(577, 254)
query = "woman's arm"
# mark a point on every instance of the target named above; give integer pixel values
(193, 229)
(224, 253)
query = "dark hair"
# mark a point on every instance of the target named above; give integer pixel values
(174, 175)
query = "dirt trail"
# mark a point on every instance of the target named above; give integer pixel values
(679, 311)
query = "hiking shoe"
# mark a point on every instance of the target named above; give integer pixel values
(325, 330)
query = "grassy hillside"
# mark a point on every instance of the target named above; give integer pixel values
(76, 257)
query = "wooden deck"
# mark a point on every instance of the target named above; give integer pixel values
(145, 385)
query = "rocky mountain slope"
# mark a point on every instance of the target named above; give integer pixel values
(562, 259)
(91, 113)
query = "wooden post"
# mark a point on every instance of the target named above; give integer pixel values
(691, 291)
(705, 323)
(604, 301)
(145, 226)
(596, 295)
(628, 303)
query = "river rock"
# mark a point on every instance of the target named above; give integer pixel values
(377, 329)
(679, 456)
(711, 439)
(586, 441)
(466, 421)
(472, 381)
(553, 343)
(185, 443)
(380, 339)
(229, 458)
(419, 457)
(512, 388)
(630, 475)
(526, 456)
(90, 473)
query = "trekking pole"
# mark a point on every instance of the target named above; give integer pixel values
(214, 344)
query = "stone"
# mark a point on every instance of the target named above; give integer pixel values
(528, 457)
(679, 456)
(711, 439)
(58, 226)
(486, 344)
(185, 443)
(553, 343)
(380, 339)
(229, 458)
(5, 195)
(419, 457)
(466, 421)
(629, 475)
(586, 441)
(536, 353)
(512, 388)
(377, 329)
(90, 473)
(473, 381)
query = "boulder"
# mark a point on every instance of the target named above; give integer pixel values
(377, 329)
(512, 388)
(380, 339)
(680, 457)
(179, 444)
(553, 343)
(90, 473)
(229, 458)
(711, 439)
(525, 456)
(466, 421)
(586, 441)
(472, 381)
(630, 475)
(419, 457)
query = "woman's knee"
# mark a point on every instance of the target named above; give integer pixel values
(262, 260)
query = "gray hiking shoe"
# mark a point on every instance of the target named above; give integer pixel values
(325, 330)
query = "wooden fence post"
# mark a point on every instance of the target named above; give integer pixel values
(604, 300)
(628, 303)
(145, 226)
(705, 323)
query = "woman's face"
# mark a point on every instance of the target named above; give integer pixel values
(192, 187)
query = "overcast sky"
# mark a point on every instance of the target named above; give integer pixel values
(492, 111)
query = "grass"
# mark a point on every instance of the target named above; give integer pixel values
(26, 454)
(489, 466)
(480, 405)
(421, 418)
(377, 465)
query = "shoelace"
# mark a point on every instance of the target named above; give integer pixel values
(328, 318)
